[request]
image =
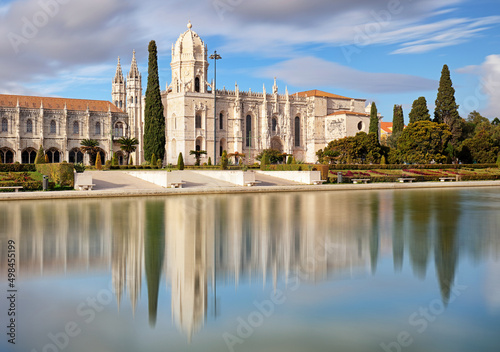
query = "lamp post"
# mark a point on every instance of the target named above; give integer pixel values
(215, 57)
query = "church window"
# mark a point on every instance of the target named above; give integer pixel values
(97, 128)
(198, 121)
(136, 99)
(116, 103)
(297, 131)
(29, 126)
(76, 127)
(121, 104)
(360, 125)
(248, 130)
(274, 124)
(197, 84)
(53, 127)
(4, 125)
(119, 129)
(221, 121)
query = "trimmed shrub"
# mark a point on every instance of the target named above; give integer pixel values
(224, 161)
(61, 174)
(40, 159)
(209, 161)
(289, 160)
(159, 164)
(180, 162)
(114, 160)
(263, 161)
(153, 160)
(131, 161)
(17, 167)
(46, 159)
(98, 162)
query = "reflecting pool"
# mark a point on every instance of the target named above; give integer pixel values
(396, 270)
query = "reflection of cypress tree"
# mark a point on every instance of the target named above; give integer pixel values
(398, 231)
(374, 236)
(419, 234)
(446, 251)
(154, 246)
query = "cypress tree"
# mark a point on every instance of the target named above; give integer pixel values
(131, 161)
(154, 120)
(419, 111)
(398, 121)
(153, 160)
(40, 159)
(223, 160)
(374, 119)
(446, 107)
(46, 159)
(180, 162)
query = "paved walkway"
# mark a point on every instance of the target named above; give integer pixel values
(120, 184)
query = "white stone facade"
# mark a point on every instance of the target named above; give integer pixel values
(246, 122)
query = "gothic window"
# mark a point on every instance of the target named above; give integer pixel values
(76, 128)
(53, 127)
(221, 121)
(274, 124)
(197, 84)
(121, 104)
(297, 131)
(116, 103)
(119, 129)
(4, 125)
(136, 99)
(29, 126)
(98, 128)
(248, 130)
(198, 121)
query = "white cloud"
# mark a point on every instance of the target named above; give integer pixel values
(487, 90)
(314, 72)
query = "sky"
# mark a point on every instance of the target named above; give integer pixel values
(386, 51)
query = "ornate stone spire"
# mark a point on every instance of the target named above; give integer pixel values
(119, 74)
(134, 71)
(275, 87)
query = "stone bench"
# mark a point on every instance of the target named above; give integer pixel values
(358, 180)
(176, 184)
(251, 183)
(85, 187)
(451, 179)
(318, 182)
(406, 179)
(15, 188)
(83, 182)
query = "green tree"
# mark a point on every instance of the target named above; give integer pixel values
(91, 147)
(419, 111)
(446, 107)
(224, 160)
(154, 120)
(274, 156)
(289, 160)
(398, 120)
(197, 154)
(40, 156)
(128, 145)
(362, 148)
(180, 162)
(424, 141)
(482, 148)
(264, 160)
(114, 160)
(374, 122)
(209, 161)
(496, 121)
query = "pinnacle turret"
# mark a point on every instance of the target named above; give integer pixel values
(134, 71)
(119, 74)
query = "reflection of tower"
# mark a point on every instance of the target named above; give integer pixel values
(188, 264)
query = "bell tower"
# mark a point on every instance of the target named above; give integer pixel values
(189, 63)
(118, 93)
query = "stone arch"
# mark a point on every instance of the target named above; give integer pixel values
(197, 84)
(75, 156)
(277, 144)
(198, 145)
(54, 155)
(28, 156)
(221, 119)
(119, 129)
(8, 155)
(120, 157)
(222, 146)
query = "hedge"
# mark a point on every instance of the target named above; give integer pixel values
(62, 173)
(27, 186)
(406, 166)
(17, 167)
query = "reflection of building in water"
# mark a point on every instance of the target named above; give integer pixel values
(234, 239)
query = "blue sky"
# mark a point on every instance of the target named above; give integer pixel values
(387, 51)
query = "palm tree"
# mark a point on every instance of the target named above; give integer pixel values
(91, 147)
(128, 145)
(197, 154)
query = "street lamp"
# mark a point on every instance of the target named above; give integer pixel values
(215, 57)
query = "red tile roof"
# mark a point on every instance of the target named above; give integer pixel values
(320, 93)
(349, 113)
(10, 101)
(386, 127)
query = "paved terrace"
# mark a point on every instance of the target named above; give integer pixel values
(120, 184)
